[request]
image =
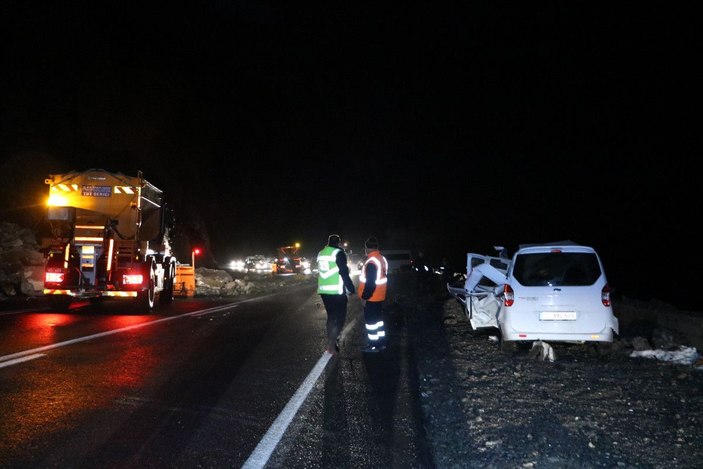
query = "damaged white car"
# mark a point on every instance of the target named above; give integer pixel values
(555, 292)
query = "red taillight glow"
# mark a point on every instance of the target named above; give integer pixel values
(53, 277)
(508, 295)
(132, 279)
(605, 295)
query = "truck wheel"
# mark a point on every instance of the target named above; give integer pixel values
(146, 298)
(166, 295)
(59, 302)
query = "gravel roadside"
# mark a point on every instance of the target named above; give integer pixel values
(588, 408)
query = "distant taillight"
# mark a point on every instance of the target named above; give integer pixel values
(508, 295)
(53, 277)
(605, 295)
(132, 279)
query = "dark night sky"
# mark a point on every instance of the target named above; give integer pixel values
(446, 129)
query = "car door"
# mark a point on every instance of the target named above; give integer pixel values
(481, 292)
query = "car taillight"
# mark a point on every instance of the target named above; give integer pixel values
(605, 295)
(132, 279)
(508, 295)
(53, 277)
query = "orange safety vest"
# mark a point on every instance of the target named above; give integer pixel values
(379, 294)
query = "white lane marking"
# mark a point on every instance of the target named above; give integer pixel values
(261, 454)
(268, 443)
(20, 360)
(214, 309)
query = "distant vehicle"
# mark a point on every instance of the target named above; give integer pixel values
(289, 261)
(237, 264)
(258, 263)
(554, 292)
(399, 260)
(355, 261)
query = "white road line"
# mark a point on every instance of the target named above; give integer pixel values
(210, 310)
(25, 353)
(20, 360)
(268, 443)
(261, 454)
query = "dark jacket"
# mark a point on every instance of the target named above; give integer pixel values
(370, 285)
(341, 260)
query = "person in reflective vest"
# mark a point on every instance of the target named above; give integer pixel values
(373, 281)
(333, 284)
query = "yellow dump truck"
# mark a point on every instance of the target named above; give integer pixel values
(109, 239)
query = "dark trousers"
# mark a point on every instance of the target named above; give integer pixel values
(336, 307)
(375, 326)
(423, 282)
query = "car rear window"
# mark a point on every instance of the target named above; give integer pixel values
(556, 269)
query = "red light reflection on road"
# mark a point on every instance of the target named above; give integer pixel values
(46, 396)
(50, 320)
(118, 322)
(133, 362)
(43, 326)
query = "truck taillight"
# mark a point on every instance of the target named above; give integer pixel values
(605, 295)
(132, 279)
(508, 295)
(53, 277)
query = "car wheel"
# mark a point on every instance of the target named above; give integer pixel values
(506, 346)
(604, 348)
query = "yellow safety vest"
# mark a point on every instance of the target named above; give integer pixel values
(329, 281)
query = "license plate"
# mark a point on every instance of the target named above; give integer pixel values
(557, 316)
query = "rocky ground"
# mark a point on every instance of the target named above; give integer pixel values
(588, 408)
(228, 283)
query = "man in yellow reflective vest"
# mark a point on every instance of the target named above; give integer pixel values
(333, 284)
(373, 280)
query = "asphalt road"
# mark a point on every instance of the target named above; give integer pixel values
(202, 383)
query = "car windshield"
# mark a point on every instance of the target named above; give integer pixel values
(556, 269)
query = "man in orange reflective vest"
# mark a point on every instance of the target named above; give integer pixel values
(373, 280)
